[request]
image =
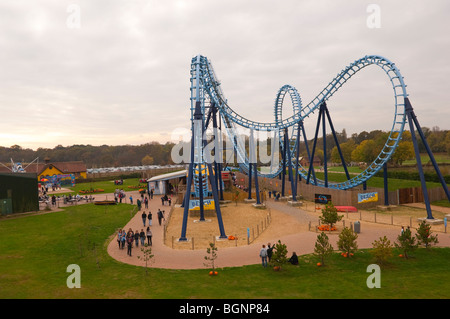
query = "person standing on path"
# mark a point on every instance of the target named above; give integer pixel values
(131, 200)
(136, 238)
(129, 242)
(149, 236)
(160, 216)
(119, 237)
(142, 236)
(123, 239)
(149, 218)
(263, 255)
(144, 217)
(269, 251)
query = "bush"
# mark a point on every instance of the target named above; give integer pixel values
(323, 248)
(279, 255)
(406, 242)
(347, 242)
(330, 215)
(424, 236)
(382, 250)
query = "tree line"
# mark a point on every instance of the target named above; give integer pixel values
(365, 146)
(359, 147)
(153, 153)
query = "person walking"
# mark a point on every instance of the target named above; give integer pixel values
(139, 204)
(142, 237)
(149, 236)
(131, 200)
(146, 202)
(144, 217)
(119, 237)
(136, 238)
(160, 216)
(123, 239)
(149, 218)
(129, 242)
(263, 255)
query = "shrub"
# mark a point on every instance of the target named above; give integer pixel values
(347, 241)
(406, 242)
(330, 215)
(382, 250)
(279, 255)
(424, 236)
(322, 248)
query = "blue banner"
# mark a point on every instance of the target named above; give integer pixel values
(367, 197)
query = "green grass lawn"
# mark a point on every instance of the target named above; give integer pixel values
(443, 203)
(393, 183)
(424, 158)
(107, 186)
(36, 250)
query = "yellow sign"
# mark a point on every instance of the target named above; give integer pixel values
(208, 204)
(367, 197)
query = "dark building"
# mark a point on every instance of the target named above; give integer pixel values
(18, 193)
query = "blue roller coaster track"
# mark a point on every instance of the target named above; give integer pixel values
(208, 99)
(206, 88)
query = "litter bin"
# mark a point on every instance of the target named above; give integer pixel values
(357, 227)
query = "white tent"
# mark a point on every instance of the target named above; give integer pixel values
(158, 183)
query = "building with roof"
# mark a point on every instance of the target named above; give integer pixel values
(161, 184)
(53, 170)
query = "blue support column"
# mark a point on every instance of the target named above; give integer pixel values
(311, 159)
(258, 199)
(288, 153)
(250, 181)
(297, 175)
(216, 202)
(409, 111)
(283, 181)
(324, 132)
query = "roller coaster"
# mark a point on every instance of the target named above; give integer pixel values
(209, 105)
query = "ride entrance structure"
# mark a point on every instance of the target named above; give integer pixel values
(208, 102)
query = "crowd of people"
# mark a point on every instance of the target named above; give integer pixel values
(135, 238)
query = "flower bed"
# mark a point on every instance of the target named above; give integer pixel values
(137, 186)
(326, 228)
(91, 191)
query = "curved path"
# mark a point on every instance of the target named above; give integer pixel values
(284, 219)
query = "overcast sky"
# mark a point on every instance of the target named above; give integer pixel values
(122, 76)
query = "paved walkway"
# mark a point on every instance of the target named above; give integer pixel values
(301, 242)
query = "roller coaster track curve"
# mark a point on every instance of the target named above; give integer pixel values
(205, 87)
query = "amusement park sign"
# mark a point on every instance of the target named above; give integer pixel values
(367, 197)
